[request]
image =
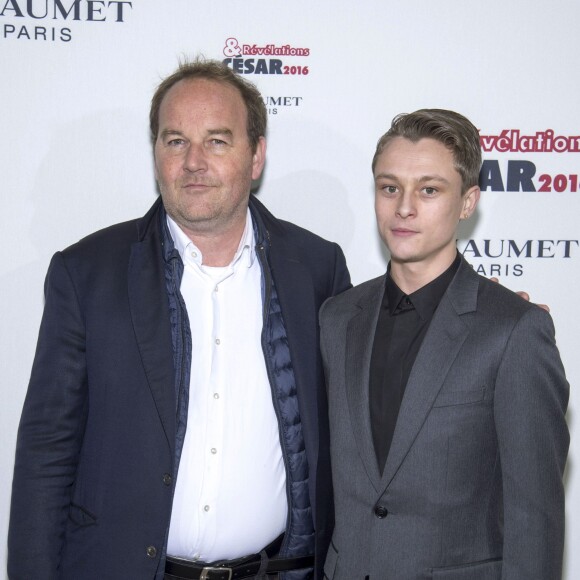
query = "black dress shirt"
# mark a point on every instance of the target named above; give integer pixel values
(402, 325)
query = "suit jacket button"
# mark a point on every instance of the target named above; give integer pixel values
(167, 479)
(151, 551)
(381, 511)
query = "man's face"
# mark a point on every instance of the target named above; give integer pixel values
(204, 163)
(418, 203)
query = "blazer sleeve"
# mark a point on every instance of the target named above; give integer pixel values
(50, 434)
(531, 397)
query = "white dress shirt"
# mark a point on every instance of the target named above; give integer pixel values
(230, 496)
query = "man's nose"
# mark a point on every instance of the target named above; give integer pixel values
(195, 158)
(406, 205)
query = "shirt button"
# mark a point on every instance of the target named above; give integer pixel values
(205, 508)
(213, 450)
(216, 395)
(216, 289)
(381, 512)
(167, 479)
(151, 551)
(217, 341)
(194, 254)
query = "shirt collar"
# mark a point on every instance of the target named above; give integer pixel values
(426, 299)
(245, 254)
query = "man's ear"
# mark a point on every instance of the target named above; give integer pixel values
(259, 158)
(470, 201)
(155, 171)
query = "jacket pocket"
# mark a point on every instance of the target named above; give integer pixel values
(486, 570)
(81, 516)
(330, 562)
(450, 398)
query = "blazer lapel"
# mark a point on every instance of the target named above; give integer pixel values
(359, 345)
(150, 314)
(442, 342)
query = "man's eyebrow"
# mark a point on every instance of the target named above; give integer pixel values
(220, 131)
(167, 132)
(422, 179)
(386, 176)
(435, 177)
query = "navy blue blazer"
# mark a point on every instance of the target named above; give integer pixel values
(92, 489)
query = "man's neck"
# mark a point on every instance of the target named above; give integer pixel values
(412, 276)
(218, 249)
(218, 246)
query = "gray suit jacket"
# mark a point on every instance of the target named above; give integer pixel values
(472, 487)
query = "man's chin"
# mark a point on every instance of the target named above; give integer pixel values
(194, 222)
(400, 256)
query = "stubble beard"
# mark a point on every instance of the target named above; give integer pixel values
(204, 216)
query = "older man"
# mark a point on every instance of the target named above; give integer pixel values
(171, 425)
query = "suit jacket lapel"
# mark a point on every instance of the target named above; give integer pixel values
(150, 314)
(445, 337)
(359, 345)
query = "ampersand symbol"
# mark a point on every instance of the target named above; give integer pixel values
(231, 48)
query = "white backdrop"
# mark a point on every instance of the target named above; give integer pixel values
(77, 77)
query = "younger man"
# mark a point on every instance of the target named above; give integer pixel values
(447, 396)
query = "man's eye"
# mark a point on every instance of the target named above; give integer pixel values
(218, 142)
(175, 142)
(390, 189)
(430, 190)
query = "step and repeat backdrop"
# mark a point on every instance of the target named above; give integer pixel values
(76, 81)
